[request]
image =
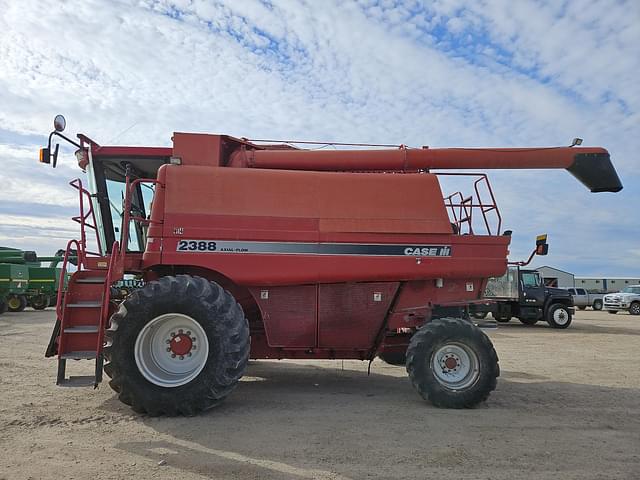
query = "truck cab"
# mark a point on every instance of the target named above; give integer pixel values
(521, 293)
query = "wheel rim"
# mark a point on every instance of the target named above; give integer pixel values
(455, 366)
(597, 305)
(560, 316)
(171, 350)
(14, 302)
(635, 309)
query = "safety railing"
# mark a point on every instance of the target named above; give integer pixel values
(461, 208)
(86, 213)
(127, 218)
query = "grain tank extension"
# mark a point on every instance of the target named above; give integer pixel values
(253, 249)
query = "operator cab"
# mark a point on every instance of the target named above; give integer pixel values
(107, 184)
(107, 169)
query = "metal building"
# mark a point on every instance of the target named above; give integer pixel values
(554, 277)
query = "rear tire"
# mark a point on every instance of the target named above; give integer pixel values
(393, 358)
(528, 321)
(16, 303)
(597, 304)
(558, 316)
(39, 302)
(146, 369)
(452, 363)
(634, 309)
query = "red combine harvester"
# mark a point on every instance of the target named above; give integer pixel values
(251, 249)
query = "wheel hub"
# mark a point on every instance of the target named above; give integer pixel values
(455, 366)
(450, 362)
(171, 350)
(181, 344)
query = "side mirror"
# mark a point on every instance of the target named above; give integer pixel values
(542, 247)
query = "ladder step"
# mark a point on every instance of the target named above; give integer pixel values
(82, 329)
(85, 305)
(80, 355)
(91, 280)
(78, 381)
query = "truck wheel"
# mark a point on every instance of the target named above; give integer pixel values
(393, 358)
(452, 363)
(479, 315)
(178, 345)
(634, 309)
(558, 316)
(17, 303)
(39, 302)
(528, 321)
(612, 312)
(500, 318)
(597, 304)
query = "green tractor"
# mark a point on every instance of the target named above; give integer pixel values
(28, 283)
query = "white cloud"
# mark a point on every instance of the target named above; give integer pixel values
(443, 73)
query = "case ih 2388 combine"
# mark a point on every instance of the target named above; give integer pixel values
(254, 250)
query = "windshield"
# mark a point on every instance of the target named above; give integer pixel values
(109, 189)
(631, 290)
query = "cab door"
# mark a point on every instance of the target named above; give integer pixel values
(531, 289)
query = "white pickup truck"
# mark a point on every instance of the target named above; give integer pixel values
(627, 299)
(583, 299)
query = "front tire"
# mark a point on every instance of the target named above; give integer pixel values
(16, 303)
(559, 316)
(39, 302)
(154, 362)
(452, 363)
(634, 309)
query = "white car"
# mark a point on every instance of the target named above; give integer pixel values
(627, 299)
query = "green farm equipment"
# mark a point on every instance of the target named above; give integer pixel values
(27, 282)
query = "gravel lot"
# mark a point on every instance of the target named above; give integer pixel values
(567, 406)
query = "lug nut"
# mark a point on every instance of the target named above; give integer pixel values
(173, 355)
(189, 354)
(168, 349)
(188, 332)
(193, 339)
(168, 342)
(180, 331)
(173, 334)
(193, 348)
(181, 357)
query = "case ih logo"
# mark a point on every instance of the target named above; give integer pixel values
(440, 251)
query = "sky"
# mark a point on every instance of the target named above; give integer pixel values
(443, 73)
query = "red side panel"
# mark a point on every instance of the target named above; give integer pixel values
(350, 315)
(289, 314)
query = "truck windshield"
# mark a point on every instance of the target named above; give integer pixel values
(531, 279)
(109, 188)
(631, 290)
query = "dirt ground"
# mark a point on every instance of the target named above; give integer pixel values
(567, 406)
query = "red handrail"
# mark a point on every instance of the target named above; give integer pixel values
(63, 273)
(465, 206)
(106, 293)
